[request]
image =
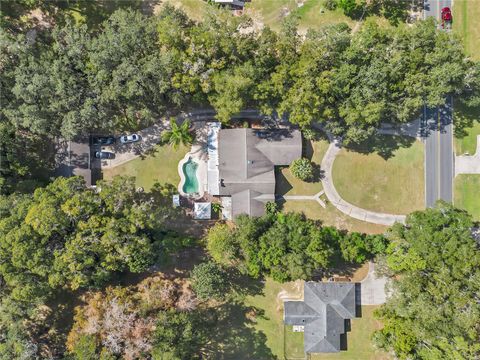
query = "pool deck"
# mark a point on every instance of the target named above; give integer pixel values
(197, 153)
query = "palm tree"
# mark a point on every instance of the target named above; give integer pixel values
(178, 134)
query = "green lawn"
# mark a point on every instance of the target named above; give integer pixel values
(195, 9)
(271, 13)
(293, 344)
(465, 23)
(392, 182)
(160, 166)
(287, 184)
(331, 216)
(467, 194)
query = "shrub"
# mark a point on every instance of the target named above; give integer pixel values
(209, 280)
(221, 245)
(357, 248)
(310, 134)
(348, 6)
(217, 208)
(330, 4)
(302, 169)
(271, 207)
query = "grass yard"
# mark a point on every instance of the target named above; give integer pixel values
(465, 23)
(271, 13)
(287, 184)
(332, 217)
(467, 128)
(383, 177)
(270, 305)
(467, 194)
(195, 9)
(160, 166)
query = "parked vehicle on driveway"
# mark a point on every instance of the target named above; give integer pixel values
(446, 18)
(103, 140)
(126, 139)
(104, 155)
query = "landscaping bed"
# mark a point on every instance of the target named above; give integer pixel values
(385, 176)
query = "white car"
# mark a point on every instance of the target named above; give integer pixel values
(126, 139)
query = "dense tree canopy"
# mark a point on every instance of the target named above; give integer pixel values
(287, 246)
(67, 237)
(209, 281)
(136, 68)
(434, 311)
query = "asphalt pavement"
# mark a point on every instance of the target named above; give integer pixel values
(434, 7)
(438, 133)
(439, 167)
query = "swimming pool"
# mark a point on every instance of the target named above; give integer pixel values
(191, 182)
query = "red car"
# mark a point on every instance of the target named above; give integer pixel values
(446, 17)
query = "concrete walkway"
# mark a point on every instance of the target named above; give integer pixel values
(344, 206)
(372, 288)
(465, 164)
(315, 197)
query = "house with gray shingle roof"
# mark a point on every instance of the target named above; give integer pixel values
(323, 314)
(246, 161)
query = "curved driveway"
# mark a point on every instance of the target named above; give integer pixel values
(344, 206)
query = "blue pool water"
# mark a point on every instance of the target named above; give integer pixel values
(191, 182)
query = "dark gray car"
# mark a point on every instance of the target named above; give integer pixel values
(104, 155)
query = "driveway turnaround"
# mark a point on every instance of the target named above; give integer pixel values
(344, 206)
(468, 164)
(372, 288)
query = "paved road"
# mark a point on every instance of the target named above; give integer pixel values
(439, 167)
(433, 8)
(438, 126)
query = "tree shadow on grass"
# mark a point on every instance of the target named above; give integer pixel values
(228, 333)
(244, 285)
(384, 145)
(282, 185)
(465, 117)
(318, 173)
(340, 268)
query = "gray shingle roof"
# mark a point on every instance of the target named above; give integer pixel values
(323, 312)
(246, 165)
